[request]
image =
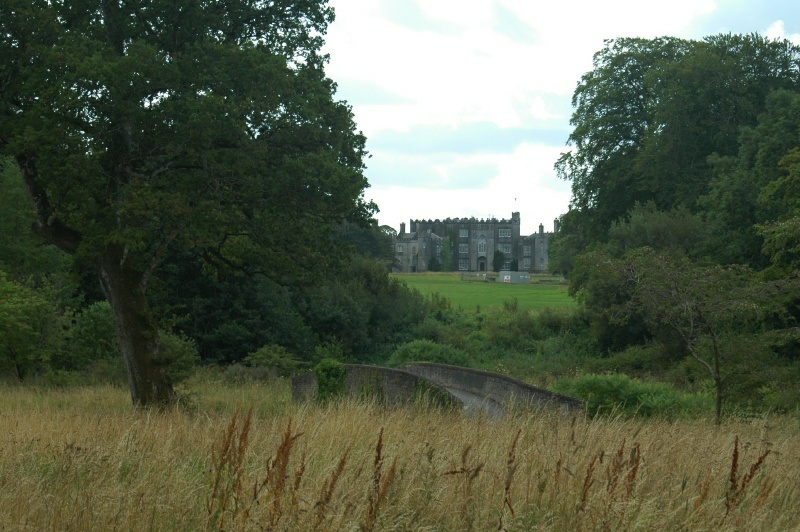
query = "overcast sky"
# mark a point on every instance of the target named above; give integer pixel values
(466, 103)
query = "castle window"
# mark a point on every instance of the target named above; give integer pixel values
(526, 249)
(504, 248)
(463, 264)
(399, 248)
(505, 233)
(463, 248)
(507, 264)
(463, 233)
(482, 245)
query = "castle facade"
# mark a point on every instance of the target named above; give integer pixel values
(474, 246)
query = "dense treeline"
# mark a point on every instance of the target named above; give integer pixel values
(257, 253)
(682, 236)
(55, 325)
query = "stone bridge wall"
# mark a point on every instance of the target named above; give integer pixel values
(499, 388)
(392, 387)
(431, 382)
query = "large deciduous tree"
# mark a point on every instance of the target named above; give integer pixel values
(652, 112)
(138, 126)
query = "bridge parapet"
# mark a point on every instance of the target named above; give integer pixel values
(495, 387)
(473, 390)
(392, 387)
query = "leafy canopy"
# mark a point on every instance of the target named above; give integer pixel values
(141, 123)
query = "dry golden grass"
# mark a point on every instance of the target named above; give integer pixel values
(81, 459)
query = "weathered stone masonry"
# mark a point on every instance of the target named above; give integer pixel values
(439, 384)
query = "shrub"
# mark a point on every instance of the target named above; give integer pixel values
(559, 321)
(428, 351)
(180, 355)
(511, 305)
(330, 379)
(332, 350)
(277, 359)
(512, 329)
(635, 360)
(605, 394)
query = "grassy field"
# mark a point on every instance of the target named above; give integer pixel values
(81, 459)
(543, 292)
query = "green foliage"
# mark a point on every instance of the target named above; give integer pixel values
(570, 240)
(179, 354)
(511, 305)
(598, 284)
(755, 187)
(364, 310)
(620, 394)
(91, 338)
(276, 358)
(512, 329)
(27, 317)
(782, 244)
(497, 260)
(217, 134)
(560, 320)
(230, 314)
(22, 253)
(780, 392)
(331, 350)
(330, 379)
(650, 115)
(675, 231)
(428, 351)
(448, 244)
(685, 184)
(639, 361)
(370, 241)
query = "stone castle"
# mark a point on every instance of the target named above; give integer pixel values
(475, 246)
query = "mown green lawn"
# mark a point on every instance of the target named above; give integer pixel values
(543, 292)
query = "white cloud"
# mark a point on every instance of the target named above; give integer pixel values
(524, 182)
(453, 63)
(474, 71)
(777, 31)
(539, 110)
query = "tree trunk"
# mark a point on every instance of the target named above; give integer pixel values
(137, 331)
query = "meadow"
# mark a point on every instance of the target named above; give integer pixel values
(542, 292)
(245, 457)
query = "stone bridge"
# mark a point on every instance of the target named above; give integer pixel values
(474, 391)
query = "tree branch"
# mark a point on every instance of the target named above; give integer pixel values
(47, 224)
